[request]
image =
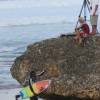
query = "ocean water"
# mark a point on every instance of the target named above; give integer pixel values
(14, 41)
(23, 22)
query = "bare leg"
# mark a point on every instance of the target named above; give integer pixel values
(94, 29)
(80, 40)
(78, 37)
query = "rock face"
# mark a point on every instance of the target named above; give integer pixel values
(74, 69)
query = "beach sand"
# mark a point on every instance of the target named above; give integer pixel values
(9, 94)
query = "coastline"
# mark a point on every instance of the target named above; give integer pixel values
(9, 94)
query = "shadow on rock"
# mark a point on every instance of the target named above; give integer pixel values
(59, 97)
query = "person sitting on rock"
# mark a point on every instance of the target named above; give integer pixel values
(82, 31)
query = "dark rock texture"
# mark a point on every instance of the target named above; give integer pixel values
(74, 69)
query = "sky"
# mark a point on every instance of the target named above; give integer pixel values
(31, 11)
(5, 4)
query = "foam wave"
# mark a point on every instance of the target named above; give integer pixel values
(7, 49)
(36, 20)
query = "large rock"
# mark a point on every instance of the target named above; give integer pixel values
(74, 69)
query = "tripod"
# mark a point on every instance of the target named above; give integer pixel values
(85, 7)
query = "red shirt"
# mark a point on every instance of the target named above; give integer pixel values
(85, 28)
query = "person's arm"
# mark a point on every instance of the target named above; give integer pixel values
(90, 4)
(26, 81)
(41, 73)
(96, 8)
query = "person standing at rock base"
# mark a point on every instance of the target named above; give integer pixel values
(94, 12)
(32, 80)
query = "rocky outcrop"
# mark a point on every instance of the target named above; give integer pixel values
(74, 69)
